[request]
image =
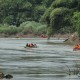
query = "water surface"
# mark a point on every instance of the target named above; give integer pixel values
(50, 61)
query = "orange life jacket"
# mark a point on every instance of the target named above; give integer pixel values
(77, 46)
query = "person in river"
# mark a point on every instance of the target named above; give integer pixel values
(31, 45)
(77, 47)
(34, 45)
(27, 45)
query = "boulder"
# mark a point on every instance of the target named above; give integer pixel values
(73, 39)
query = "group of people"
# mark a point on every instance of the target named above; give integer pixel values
(31, 45)
(77, 47)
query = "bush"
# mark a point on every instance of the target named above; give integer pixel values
(32, 27)
(8, 29)
(25, 28)
(76, 22)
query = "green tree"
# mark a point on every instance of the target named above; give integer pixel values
(76, 22)
(18, 11)
(65, 3)
(59, 15)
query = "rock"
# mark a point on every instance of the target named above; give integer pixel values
(8, 76)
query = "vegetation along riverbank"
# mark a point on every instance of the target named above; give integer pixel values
(38, 17)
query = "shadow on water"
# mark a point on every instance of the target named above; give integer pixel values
(52, 60)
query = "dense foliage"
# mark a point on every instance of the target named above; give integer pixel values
(14, 12)
(29, 27)
(60, 16)
(63, 16)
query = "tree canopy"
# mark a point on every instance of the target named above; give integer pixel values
(60, 15)
(14, 12)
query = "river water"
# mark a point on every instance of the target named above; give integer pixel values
(52, 60)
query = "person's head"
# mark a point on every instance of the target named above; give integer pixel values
(35, 45)
(27, 44)
(31, 43)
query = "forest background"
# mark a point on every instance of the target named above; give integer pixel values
(39, 17)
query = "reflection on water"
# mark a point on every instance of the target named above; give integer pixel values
(47, 62)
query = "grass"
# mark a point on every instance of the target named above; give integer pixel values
(74, 71)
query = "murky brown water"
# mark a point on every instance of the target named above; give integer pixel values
(47, 62)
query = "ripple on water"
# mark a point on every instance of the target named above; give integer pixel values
(47, 62)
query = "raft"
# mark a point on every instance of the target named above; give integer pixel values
(30, 47)
(76, 49)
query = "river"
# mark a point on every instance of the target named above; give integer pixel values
(52, 60)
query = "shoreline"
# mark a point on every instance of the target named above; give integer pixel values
(58, 36)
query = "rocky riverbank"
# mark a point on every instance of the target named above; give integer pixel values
(73, 39)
